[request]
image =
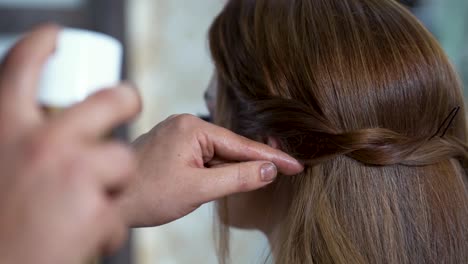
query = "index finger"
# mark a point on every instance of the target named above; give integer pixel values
(232, 147)
(20, 73)
(100, 112)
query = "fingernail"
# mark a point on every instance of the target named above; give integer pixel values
(268, 172)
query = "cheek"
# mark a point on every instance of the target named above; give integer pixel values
(245, 210)
(211, 105)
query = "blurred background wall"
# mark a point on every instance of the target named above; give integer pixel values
(167, 57)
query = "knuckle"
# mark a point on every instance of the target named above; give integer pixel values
(172, 116)
(184, 121)
(207, 149)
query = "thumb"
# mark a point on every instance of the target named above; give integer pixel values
(235, 178)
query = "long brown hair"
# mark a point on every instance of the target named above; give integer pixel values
(363, 94)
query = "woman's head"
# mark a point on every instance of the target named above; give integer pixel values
(359, 91)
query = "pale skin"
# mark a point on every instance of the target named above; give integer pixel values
(67, 195)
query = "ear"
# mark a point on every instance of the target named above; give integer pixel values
(273, 142)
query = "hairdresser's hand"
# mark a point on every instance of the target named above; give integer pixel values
(59, 182)
(173, 180)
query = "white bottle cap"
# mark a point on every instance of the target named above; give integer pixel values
(84, 62)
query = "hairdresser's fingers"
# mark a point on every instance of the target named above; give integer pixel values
(20, 73)
(114, 164)
(235, 178)
(113, 232)
(216, 162)
(101, 112)
(229, 146)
